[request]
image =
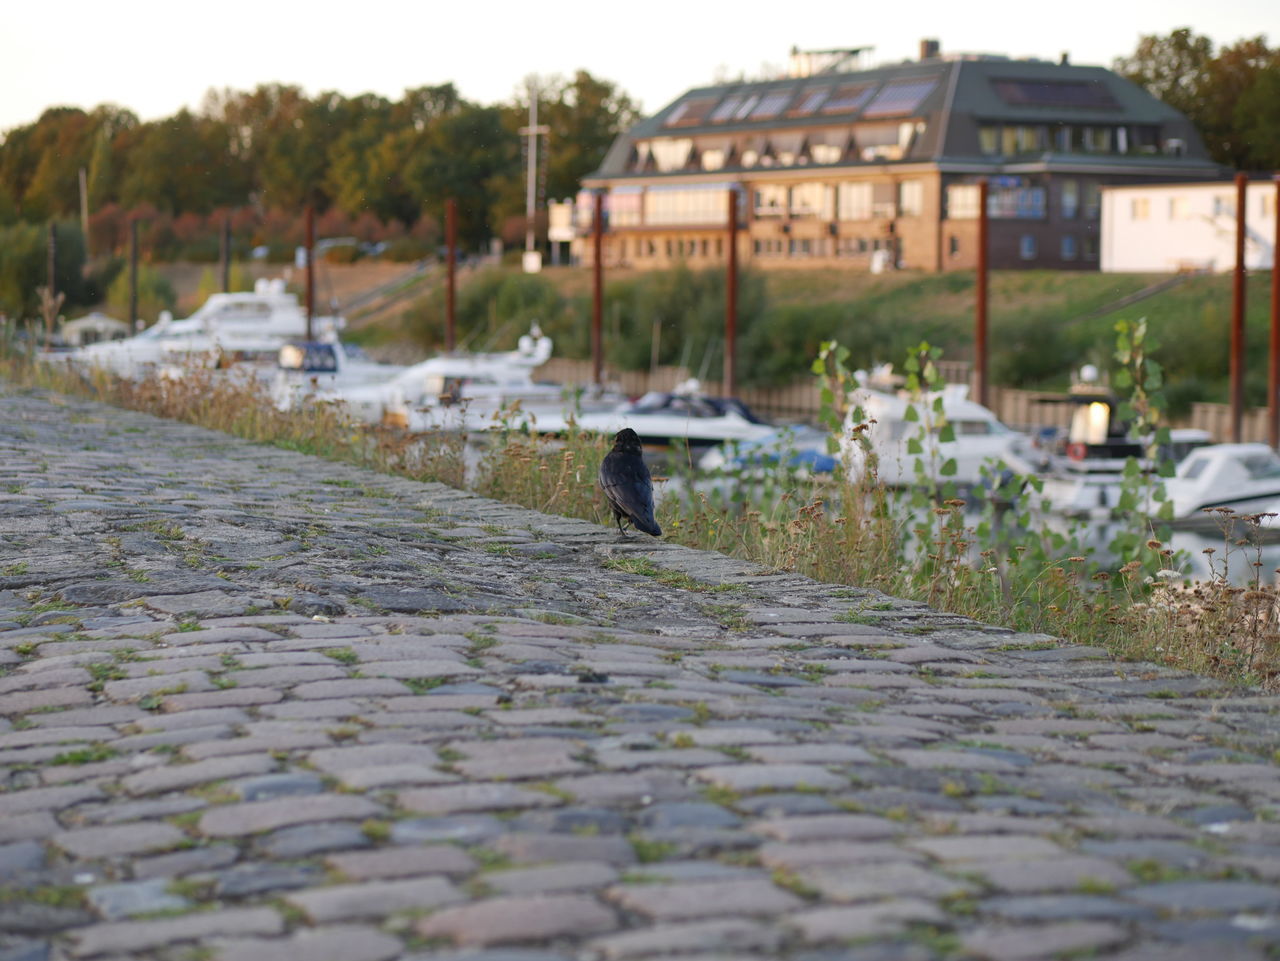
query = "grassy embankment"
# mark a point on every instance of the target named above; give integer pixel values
(1031, 581)
(1044, 324)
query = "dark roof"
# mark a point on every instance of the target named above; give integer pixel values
(952, 97)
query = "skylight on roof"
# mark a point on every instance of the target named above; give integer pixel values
(900, 97)
(771, 105)
(1081, 94)
(728, 107)
(690, 112)
(848, 98)
(812, 100)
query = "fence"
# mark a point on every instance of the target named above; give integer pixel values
(801, 400)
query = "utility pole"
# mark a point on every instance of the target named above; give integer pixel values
(51, 268)
(532, 264)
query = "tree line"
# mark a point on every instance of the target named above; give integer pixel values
(385, 165)
(1231, 95)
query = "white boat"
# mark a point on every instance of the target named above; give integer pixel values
(1242, 478)
(305, 369)
(684, 415)
(881, 416)
(228, 328)
(1082, 471)
(796, 447)
(459, 391)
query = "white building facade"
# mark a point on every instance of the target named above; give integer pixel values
(1158, 228)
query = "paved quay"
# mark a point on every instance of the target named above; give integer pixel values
(258, 706)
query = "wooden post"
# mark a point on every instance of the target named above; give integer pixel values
(980, 300)
(451, 263)
(731, 300)
(51, 267)
(311, 272)
(1273, 379)
(597, 290)
(1237, 316)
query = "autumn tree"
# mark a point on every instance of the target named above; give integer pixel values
(1229, 95)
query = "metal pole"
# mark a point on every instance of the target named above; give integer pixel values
(1273, 380)
(731, 300)
(51, 268)
(1237, 316)
(451, 261)
(980, 301)
(531, 185)
(225, 254)
(84, 211)
(597, 290)
(311, 273)
(133, 275)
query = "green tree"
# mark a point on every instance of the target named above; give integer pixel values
(184, 164)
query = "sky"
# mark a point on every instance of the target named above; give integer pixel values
(156, 56)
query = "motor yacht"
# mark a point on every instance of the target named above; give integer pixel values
(1243, 478)
(903, 431)
(229, 328)
(683, 415)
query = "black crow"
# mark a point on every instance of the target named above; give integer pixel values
(625, 480)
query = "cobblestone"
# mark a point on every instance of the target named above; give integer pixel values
(335, 725)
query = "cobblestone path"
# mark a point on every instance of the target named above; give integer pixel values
(259, 706)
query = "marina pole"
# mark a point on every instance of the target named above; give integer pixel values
(1237, 316)
(451, 269)
(225, 251)
(731, 300)
(133, 274)
(980, 305)
(311, 271)
(597, 290)
(51, 267)
(1273, 380)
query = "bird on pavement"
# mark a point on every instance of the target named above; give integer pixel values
(625, 480)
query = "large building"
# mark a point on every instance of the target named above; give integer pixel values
(879, 167)
(1158, 228)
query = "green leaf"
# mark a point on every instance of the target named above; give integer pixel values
(1123, 378)
(911, 415)
(914, 447)
(948, 468)
(947, 435)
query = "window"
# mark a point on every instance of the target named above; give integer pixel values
(771, 200)
(1069, 249)
(1070, 199)
(1268, 205)
(771, 105)
(848, 98)
(1090, 248)
(911, 198)
(853, 202)
(671, 154)
(1224, 206)
(1081, 94)
(825, 153)
(690, 113)
(1017, 140)
(1027, 247)
(962, 202)
(1092, 201)
(685, 205)
(1140, 208)
(809, 200)
(1097, 139)
(953, 246)
(1016, 203)
(811, 101)
(989, 141)
(1178, 208)
(899, 97)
